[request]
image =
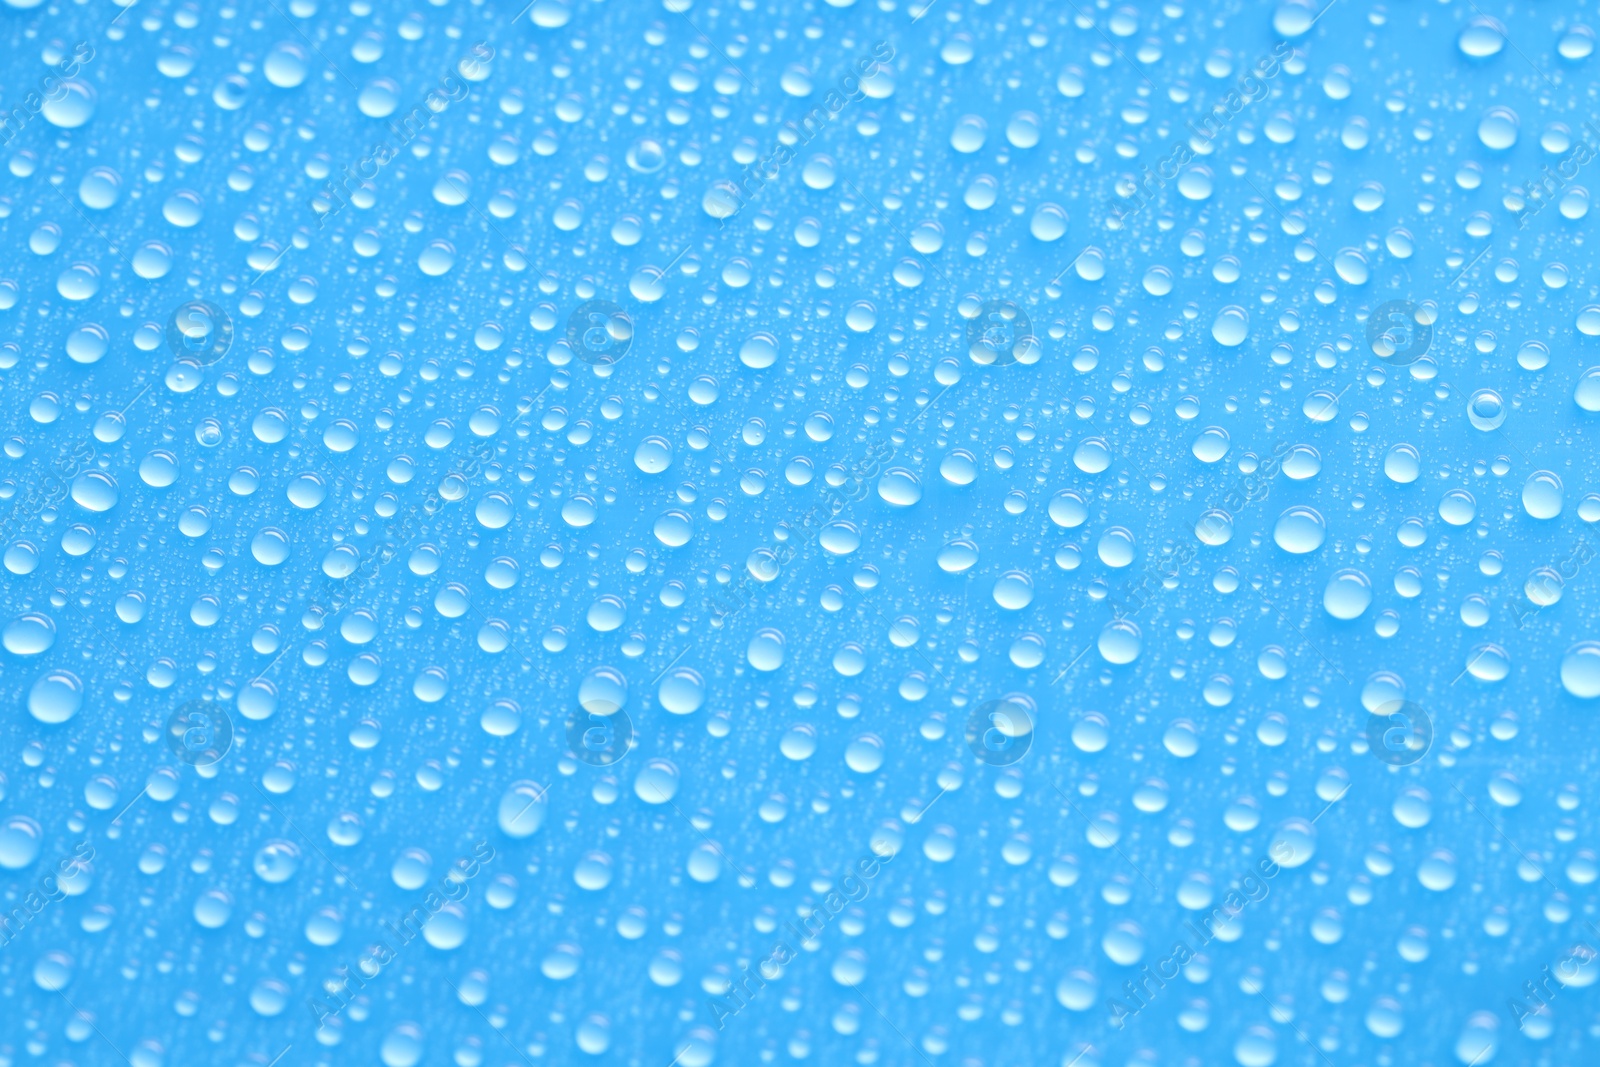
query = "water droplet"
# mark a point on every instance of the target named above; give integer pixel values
(1498, 128)
(287, 65)
(1214, 528)
(277, 861)
(603, 691)
(1049, 222)
(840, 538)
(657, 781)
(1231, 326)
(1348, 594)
(71, 107)
(682, 691)
(1580, 670)
(765, 651)
(1483, 37)
(20, 842)
(969, 134)
(899, 487)
(759, 351)
(1457, 507)
(1542, 495)
(1120, 642)
(1013, 590)
(653, 455)
(1092, 456)
(1211, 445)
(1300, 530)
(1486, 410)
(1402, 465)
(29, 634)
(522, 809)
(1587, 392)
(55, 697)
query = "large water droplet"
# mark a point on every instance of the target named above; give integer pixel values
(1542, 495)
(1580, 670)
(1498, 128)
(766, 650)
(1483, 37)
(899, 487)
(29, 634)
(1300, 530)
(1348, 594)
(1120, 642)
(56, 697)
(603, 691)
(1013, 591)
(522, 809)
(1231, 326)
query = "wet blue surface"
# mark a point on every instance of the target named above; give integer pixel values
(623, 533)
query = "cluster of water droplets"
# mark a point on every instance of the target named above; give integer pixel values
(600, 531)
